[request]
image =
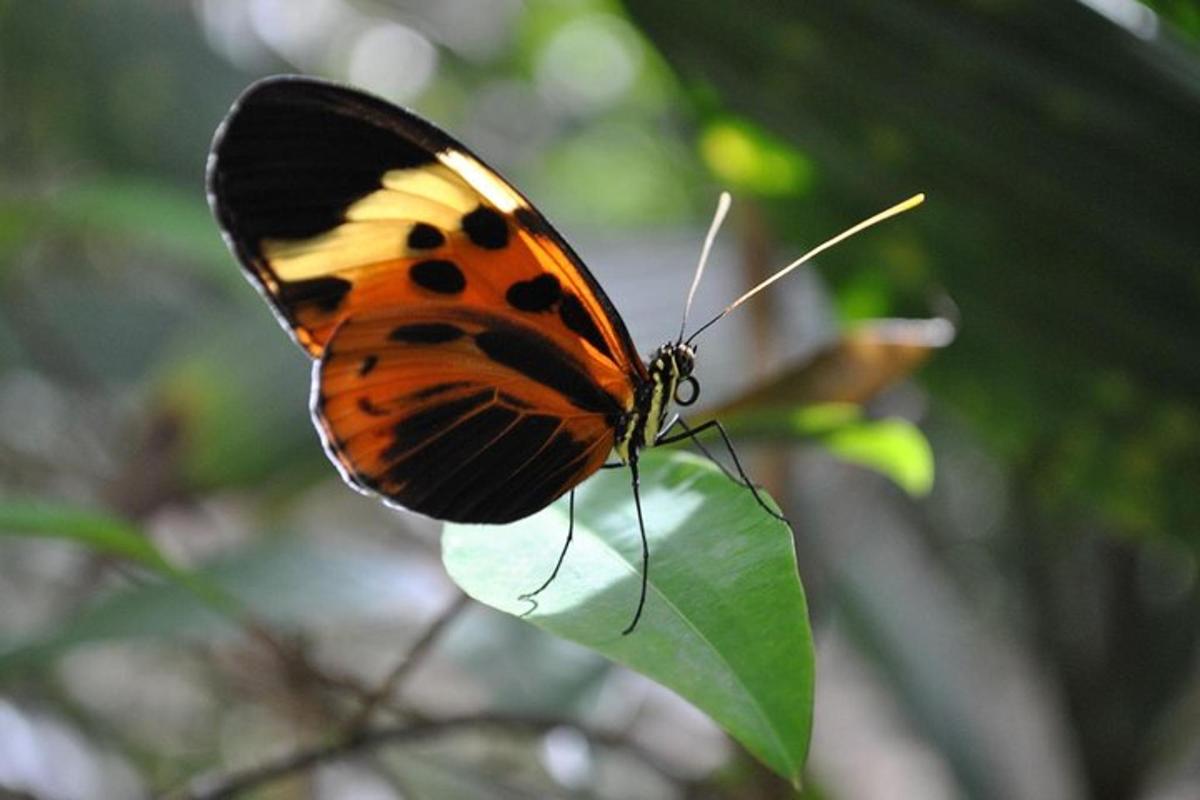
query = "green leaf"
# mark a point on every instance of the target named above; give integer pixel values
(893, 447)
(283, 581)
(111, 536)
(725, 623)
(748, 157)
(145, 212)
(100, 532)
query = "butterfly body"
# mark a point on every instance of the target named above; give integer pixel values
(466, 364)
(668, 368)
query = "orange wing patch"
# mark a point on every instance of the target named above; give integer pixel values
(400, 250)
(469, 366)
(338, 203)
(460, 416)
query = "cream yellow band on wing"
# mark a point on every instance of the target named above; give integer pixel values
(377, 225)
(487, 183)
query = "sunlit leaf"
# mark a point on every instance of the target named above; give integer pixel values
(747, 157)
(893, 447)
(725, 623)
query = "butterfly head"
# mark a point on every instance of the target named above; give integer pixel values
(671, 380)
(671, 375)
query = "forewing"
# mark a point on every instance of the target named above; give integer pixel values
(459, 415)
(338, 203)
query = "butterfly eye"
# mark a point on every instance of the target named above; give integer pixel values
(687, 397)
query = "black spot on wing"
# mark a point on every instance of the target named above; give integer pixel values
(367, 407)
(438, 275)
(486, 228)
(325, 293)
(424, 236)
(540, 361)
(513, 400)
(575, 317)
(535, 294)
(438, 388)
(368, 364)
(425, 333)
(293, 154)
(532, 221)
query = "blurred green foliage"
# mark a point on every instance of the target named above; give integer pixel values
(140, 376)
(1183, 14)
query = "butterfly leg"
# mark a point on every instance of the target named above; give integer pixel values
(637, 502)
(704, 451)
(561, 556)
(693, 434)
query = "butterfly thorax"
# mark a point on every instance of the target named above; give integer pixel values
(670, 366)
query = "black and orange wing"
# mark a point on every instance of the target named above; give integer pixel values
(460, 415)
(468, 365)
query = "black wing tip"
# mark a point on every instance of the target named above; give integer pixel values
(318, 94)
(289, 136)
(287, 87)
(294, 87)
(299, 89)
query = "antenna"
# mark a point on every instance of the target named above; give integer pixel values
(899, 208)
(722, 209)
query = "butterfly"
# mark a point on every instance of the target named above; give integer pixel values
(466, 364)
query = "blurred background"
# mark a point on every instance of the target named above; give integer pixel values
(1028, 628)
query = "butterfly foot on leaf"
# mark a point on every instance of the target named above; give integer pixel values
(773, 512)
(533, 604)
(754, 490)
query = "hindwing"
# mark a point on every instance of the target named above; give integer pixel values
(459, 416)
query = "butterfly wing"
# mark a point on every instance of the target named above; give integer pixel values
(373, 235)
(328, 195)
(459, 415)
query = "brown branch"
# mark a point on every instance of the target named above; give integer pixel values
(230, 785)
(403, 669)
